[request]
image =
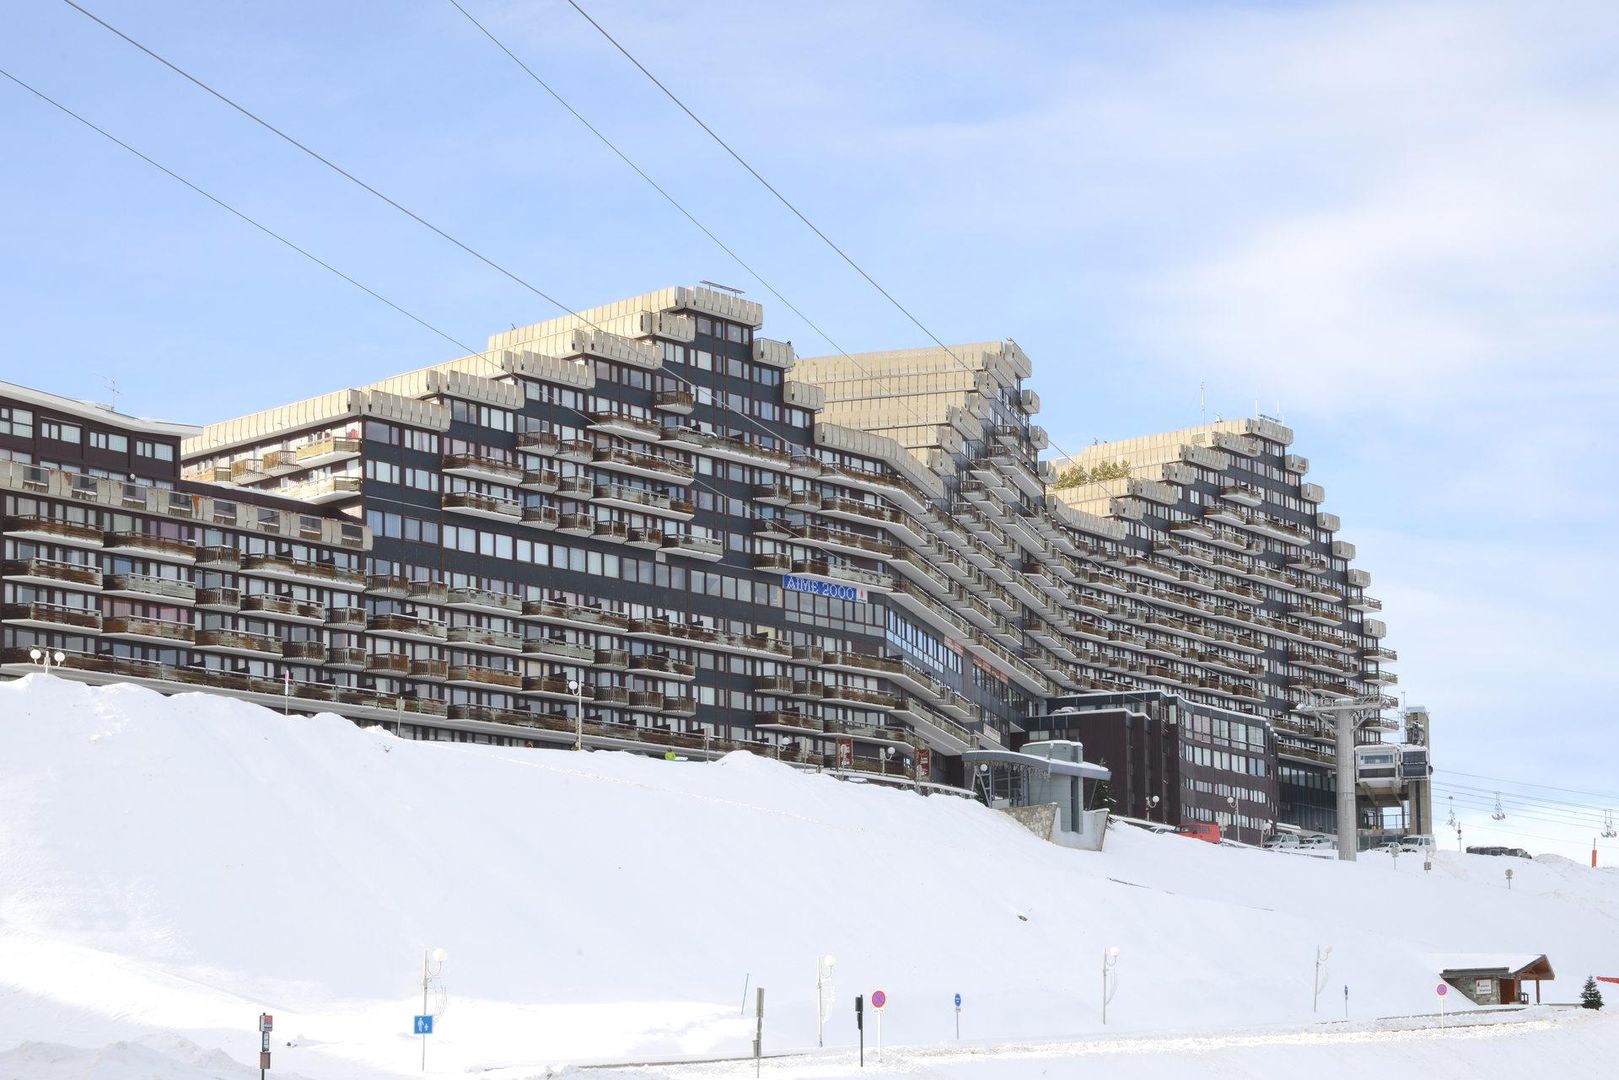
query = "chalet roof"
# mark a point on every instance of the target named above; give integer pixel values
(1504, 965)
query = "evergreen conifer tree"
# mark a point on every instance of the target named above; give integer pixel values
(1591, 997)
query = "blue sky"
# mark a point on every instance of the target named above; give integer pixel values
(1392, 224)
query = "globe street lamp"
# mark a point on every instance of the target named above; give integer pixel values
(578, 713)
(432, 966)
(46, 657)
(1110, 981)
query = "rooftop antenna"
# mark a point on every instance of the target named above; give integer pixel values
(732, 289)
(112, 388)
(1202, 404)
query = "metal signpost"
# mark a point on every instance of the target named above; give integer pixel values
(824, 993)
(1322, 954)
(758, 1029)
(860, 1023)
(958, 1016)
(1346, 1001)
(432, 965)
(878, 1000)
(1441, 990)
(266, 1025)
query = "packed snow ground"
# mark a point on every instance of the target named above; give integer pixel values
(169, 868)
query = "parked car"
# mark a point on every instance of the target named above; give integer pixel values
(1318, 842)
(1141, 823)
(1280, 840)
(1496, 849)
(1206, 831)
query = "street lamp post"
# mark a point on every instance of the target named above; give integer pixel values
(1322, 954)
(432, 966)
(1110, 982)
(824, 993)
(578, 713)
(46, 657)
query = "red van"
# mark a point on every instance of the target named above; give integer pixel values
(1200, 830)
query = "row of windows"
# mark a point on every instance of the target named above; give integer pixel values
(20, 422)
(1222, 760)
(727, 330)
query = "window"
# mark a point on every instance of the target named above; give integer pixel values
(107, 440)
(154, 450)
(17, 422)
(60, 431)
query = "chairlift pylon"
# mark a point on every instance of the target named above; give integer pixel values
(1608, 831)
(1500, 813)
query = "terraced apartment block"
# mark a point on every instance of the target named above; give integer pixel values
(649, 526)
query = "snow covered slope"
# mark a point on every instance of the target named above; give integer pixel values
(175, 866)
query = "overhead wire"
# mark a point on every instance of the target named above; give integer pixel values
(786, 202)
(265, 229)
(1524, 783)
(238, 213)
(705, 393)
(716, 399)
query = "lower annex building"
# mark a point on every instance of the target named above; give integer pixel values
(653, 523)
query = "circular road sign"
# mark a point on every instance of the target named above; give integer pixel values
(958, 1001)
(1441, 989)
(878, 999)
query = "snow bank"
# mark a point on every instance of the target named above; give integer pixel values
(176, 865)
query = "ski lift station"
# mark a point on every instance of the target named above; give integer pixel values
(1497, 979)
(1043, 786)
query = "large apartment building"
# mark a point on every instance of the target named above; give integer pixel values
(647, 526)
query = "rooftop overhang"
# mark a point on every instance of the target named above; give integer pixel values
(1521, 968)
(1054, 766)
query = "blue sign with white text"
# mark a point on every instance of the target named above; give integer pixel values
(958, 1001)
(424, 1026)
(794, 583)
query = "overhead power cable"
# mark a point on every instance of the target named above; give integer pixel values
(1482, 804)
(713, 398)
(788, 203)
(716, 399)
(259, 225)
(1528, 798)
(329, 163)
(1609, 796)
(904, 400)
(317, 260)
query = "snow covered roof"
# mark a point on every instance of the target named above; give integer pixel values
(1506, 964)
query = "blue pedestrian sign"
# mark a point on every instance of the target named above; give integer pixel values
(424, 1025)
(958, 1001)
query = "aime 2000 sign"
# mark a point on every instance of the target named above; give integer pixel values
(794, 583)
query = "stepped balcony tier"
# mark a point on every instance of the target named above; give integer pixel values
(644, 465)
(677, 402)
(326, 451)
(238, 643)
(142, 629)
(404, 627)
(51, 573)
(53, 530)
(303, 571)
(219, 598)
(284, 608)
(149, 587)
(492, 470)
(166, 547)
(478, 504)
(52, 617)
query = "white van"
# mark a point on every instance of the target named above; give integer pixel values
(1319, 842)
(1281, 841)
(1422, 844)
